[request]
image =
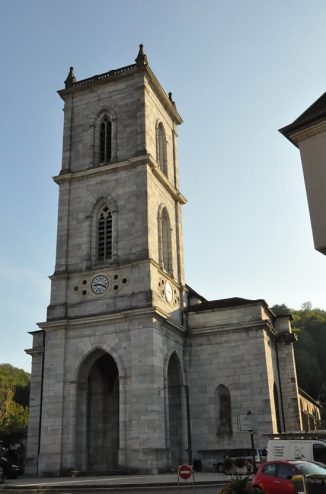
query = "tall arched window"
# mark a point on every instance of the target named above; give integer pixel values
(104, 234)
(224, 414)
(105, 140)
(165, 244)
(161, 148)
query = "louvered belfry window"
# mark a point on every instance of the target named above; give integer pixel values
(161, 148)
(105, 140)
(104, 236)
(166, 242)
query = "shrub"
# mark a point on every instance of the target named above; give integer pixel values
(240, 485)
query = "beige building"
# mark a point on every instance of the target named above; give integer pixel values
(308, 133)
(310, 412)
(133, 371)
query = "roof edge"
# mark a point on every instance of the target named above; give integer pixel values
(226, 303)
(312, 116)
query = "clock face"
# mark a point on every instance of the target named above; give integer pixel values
(168, 291)
(99, 284)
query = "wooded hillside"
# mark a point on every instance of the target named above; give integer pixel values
(310, 326)
(14, 396)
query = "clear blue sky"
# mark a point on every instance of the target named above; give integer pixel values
(238, 69)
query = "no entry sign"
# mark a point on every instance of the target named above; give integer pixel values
(185, 471)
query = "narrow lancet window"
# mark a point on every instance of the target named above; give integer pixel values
(224, 414)
(161, 148)
(105, 140)
(165, 243)
(104, 234)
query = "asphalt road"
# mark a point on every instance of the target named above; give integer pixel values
(120, 490)
(206, 483)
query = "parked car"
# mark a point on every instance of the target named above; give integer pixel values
(9, 471)
(235, 455)
(274, 477)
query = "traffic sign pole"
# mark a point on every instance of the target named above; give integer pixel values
(185, 472)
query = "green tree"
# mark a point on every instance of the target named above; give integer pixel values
(281, 310)
(14, 376)
(310, 325)
(13, 416)
(14, 397)
(306, 306)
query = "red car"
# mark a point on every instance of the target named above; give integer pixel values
(274, 477)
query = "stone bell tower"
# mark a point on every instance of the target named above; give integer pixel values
(107, 372)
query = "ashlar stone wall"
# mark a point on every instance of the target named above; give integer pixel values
(229, 346)
(141, 347)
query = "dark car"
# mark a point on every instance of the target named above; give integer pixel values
(9, 471)
(274, 477)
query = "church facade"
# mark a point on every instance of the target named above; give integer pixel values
(133, 371)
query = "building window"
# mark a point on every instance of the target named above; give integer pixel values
(105, 140)
(165, 244)
(224, 414)
(104, 234)
(161, 148)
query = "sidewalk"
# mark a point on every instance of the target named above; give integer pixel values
(130, 481)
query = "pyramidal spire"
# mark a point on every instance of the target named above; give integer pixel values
(70, 78)
(141, 59)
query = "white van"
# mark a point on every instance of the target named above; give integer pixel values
(297, 449)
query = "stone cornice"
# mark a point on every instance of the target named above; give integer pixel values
(166, 275)
(123, 73)
(286, 338)
(112, 317)
(147, 159)
(99, 79)
(161, 177)
(169, 107)
(100, 170)
(97, 269)
(34, 351)
(236, 327)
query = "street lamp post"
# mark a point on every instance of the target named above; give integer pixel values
(251, 431)
(253, 449)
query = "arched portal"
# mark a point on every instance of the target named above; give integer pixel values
(98, 414)
(175, 411)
